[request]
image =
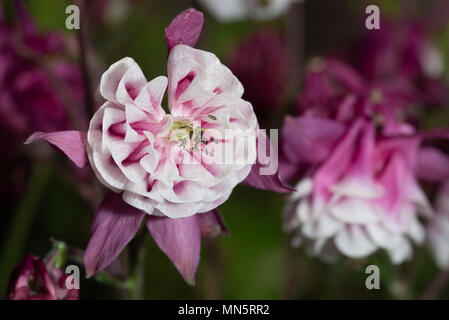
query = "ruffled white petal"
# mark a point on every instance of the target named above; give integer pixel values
(354, 242)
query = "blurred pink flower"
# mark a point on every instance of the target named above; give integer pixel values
(334, 89)
(261, 64)
(149, 159)
(361, 193)
(358, 164)
(31, 280)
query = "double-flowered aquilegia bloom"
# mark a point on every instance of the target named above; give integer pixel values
(32, 280)
(169, 165)
(173, 169)
(358, 188)
(235, 10)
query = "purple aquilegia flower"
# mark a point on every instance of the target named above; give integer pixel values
(361, 193)
(163, 167)
(33, 92)
(260, 63)
(32, 280)
(358, 190)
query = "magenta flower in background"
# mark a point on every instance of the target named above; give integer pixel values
(161, 166)
(261, 64)
(402, 51)
(34, 93)
(335, 90)
(32, 280)
(39, 90)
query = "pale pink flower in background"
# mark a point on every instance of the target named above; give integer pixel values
(438, 229)
(361, 193)
(359, 164)
(236, 10)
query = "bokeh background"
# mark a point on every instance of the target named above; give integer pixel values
(42, 198)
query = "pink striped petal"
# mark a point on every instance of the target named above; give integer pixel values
(71, 143)
(115, 224)
(339, 161)
(110, 80)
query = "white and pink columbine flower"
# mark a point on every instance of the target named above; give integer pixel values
(173, 169)
(361, 193)
(167, 164)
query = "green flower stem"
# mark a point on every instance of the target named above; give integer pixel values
(211, 283)
(138, 267)
(21, 222)
(105, 278)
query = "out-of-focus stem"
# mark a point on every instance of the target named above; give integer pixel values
(140, 273)
(435, 287)
(212, 272)
(21, 223)
(90, 108)
(295, 37)
(137, 277)
(291, 272)
(134, 288)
